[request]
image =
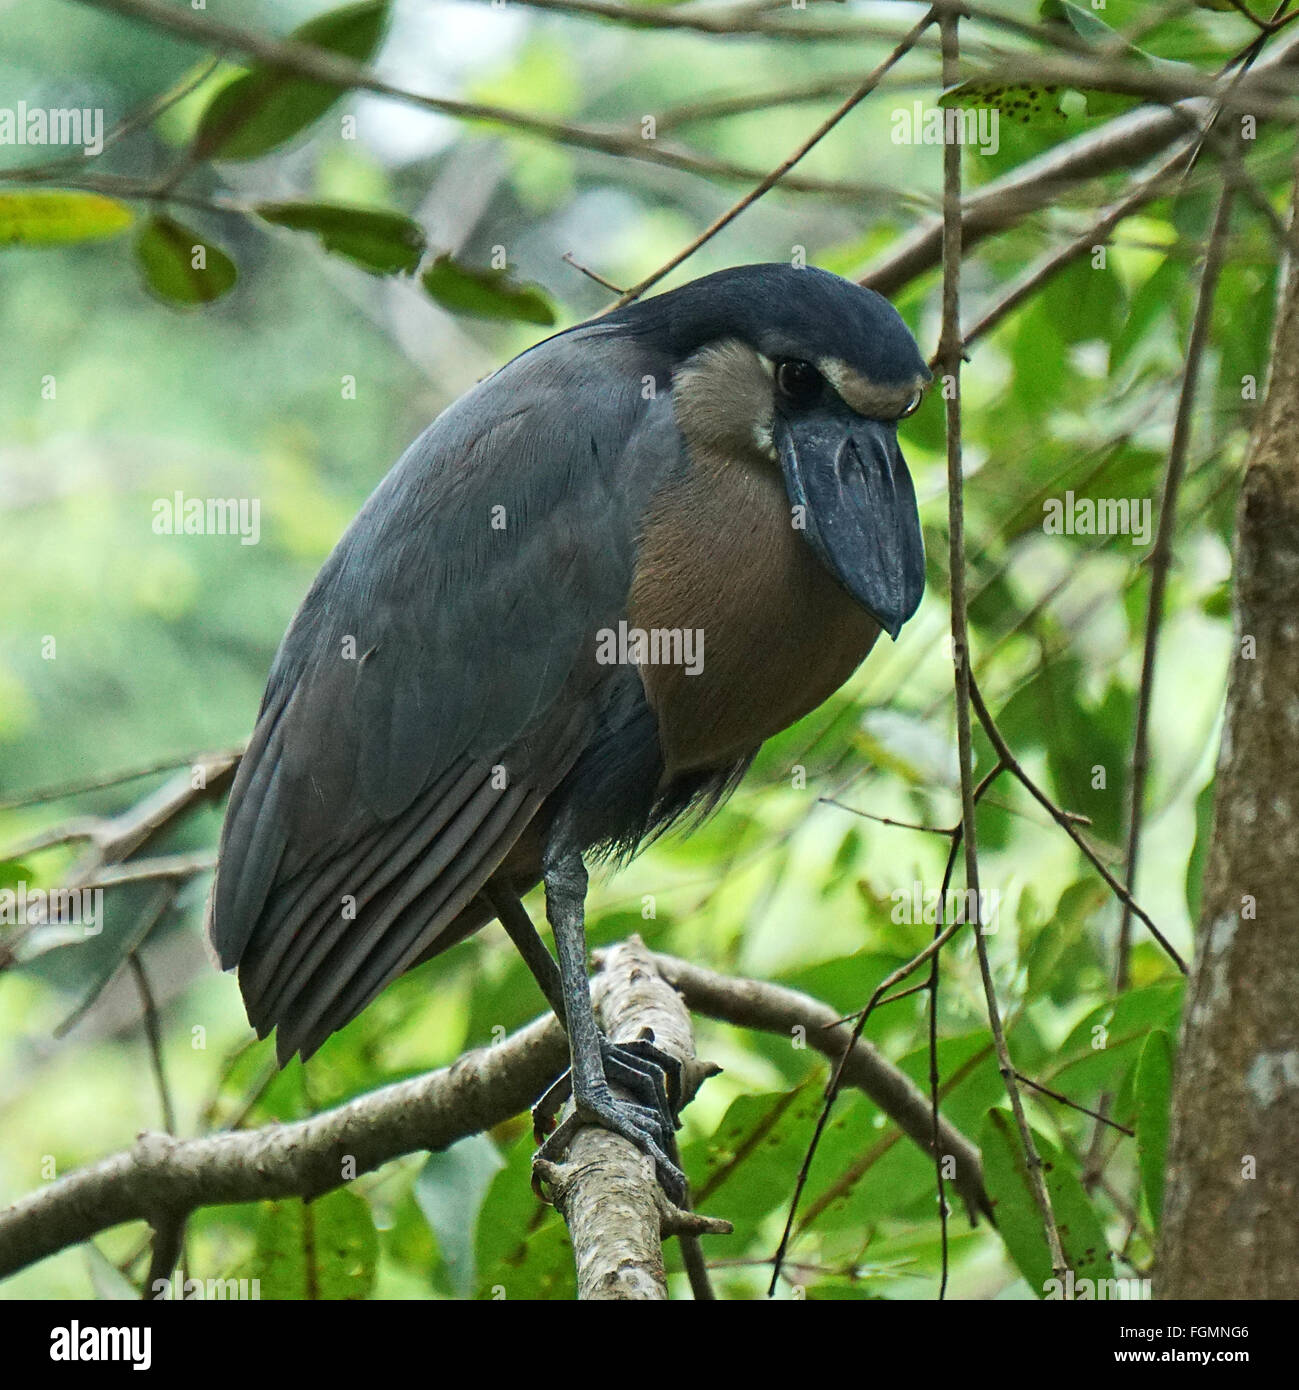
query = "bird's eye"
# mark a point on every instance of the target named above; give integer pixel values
(912, 405)
(799, 382)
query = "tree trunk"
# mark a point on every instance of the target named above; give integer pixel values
(1231, 1210)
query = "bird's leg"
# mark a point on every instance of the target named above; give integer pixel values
(638, 1066)
(513, 916)
(595, 1060)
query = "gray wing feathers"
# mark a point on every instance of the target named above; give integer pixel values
(446, 636)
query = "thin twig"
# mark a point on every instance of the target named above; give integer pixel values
(138, 119)
(306, 60)
(778, 1010)
(945, 830)
(749, 102)
(764, 185)
(1237, 67)
(168, 1246)
(1099, 232)
(155, 910)
(153, 1037)
(1064, 821)
(62, 791)
(1162, 555)
(837, 1078)
(1005, 202)
(1074, 1105)
(164, 866)
(591, 274)
(692, 1258)
(950, 351)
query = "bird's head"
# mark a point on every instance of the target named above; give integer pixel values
(812, 373)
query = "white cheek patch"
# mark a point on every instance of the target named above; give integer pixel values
(762, 438)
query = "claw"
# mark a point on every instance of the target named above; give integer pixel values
(640, 1126)
(545, 1113)
(647, 1073)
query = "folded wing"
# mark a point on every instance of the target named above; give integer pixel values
(436, 684)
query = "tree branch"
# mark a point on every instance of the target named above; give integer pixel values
(950, 352)
(62, 791)
(1161, 558)
(1119, 144)
(605, 1188)
(1066, 822)
(161, 1178)
(788, 1013)
(305, 60)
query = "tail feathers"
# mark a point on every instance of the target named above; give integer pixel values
(399, 923)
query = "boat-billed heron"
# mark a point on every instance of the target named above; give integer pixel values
(568, 616)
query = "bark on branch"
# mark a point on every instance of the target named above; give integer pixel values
(1122, 143)
(161, 1177)
(605, 1188)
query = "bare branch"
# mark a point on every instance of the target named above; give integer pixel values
(1073, 1104)
(61, 791)
(162, 1177)
(788, 1013)
(116, 837)
(162, 866)
(605, 1188)
(1119, 144)
(1099, 232)
(305, 60)
(1066, 822)
(950, 352)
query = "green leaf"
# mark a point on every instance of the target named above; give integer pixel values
(12, 873)
(1109, 1039)
(1155, 302)
(1049, 710)
(522, 1250)
(1217, 602)
(1029, 105)
(1085, 302)
(1019, 1222)
(180, 266)
(325, 1249)
(1100, 35)
(488, 294)
(385, 243)
(1056, 950)
(54, 218)
(266, 106)
(1154, 1086)
(450, 1191)
(1199, 850)
(1082, 22)
(745, 1171)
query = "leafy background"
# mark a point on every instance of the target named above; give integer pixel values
(163, 642)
